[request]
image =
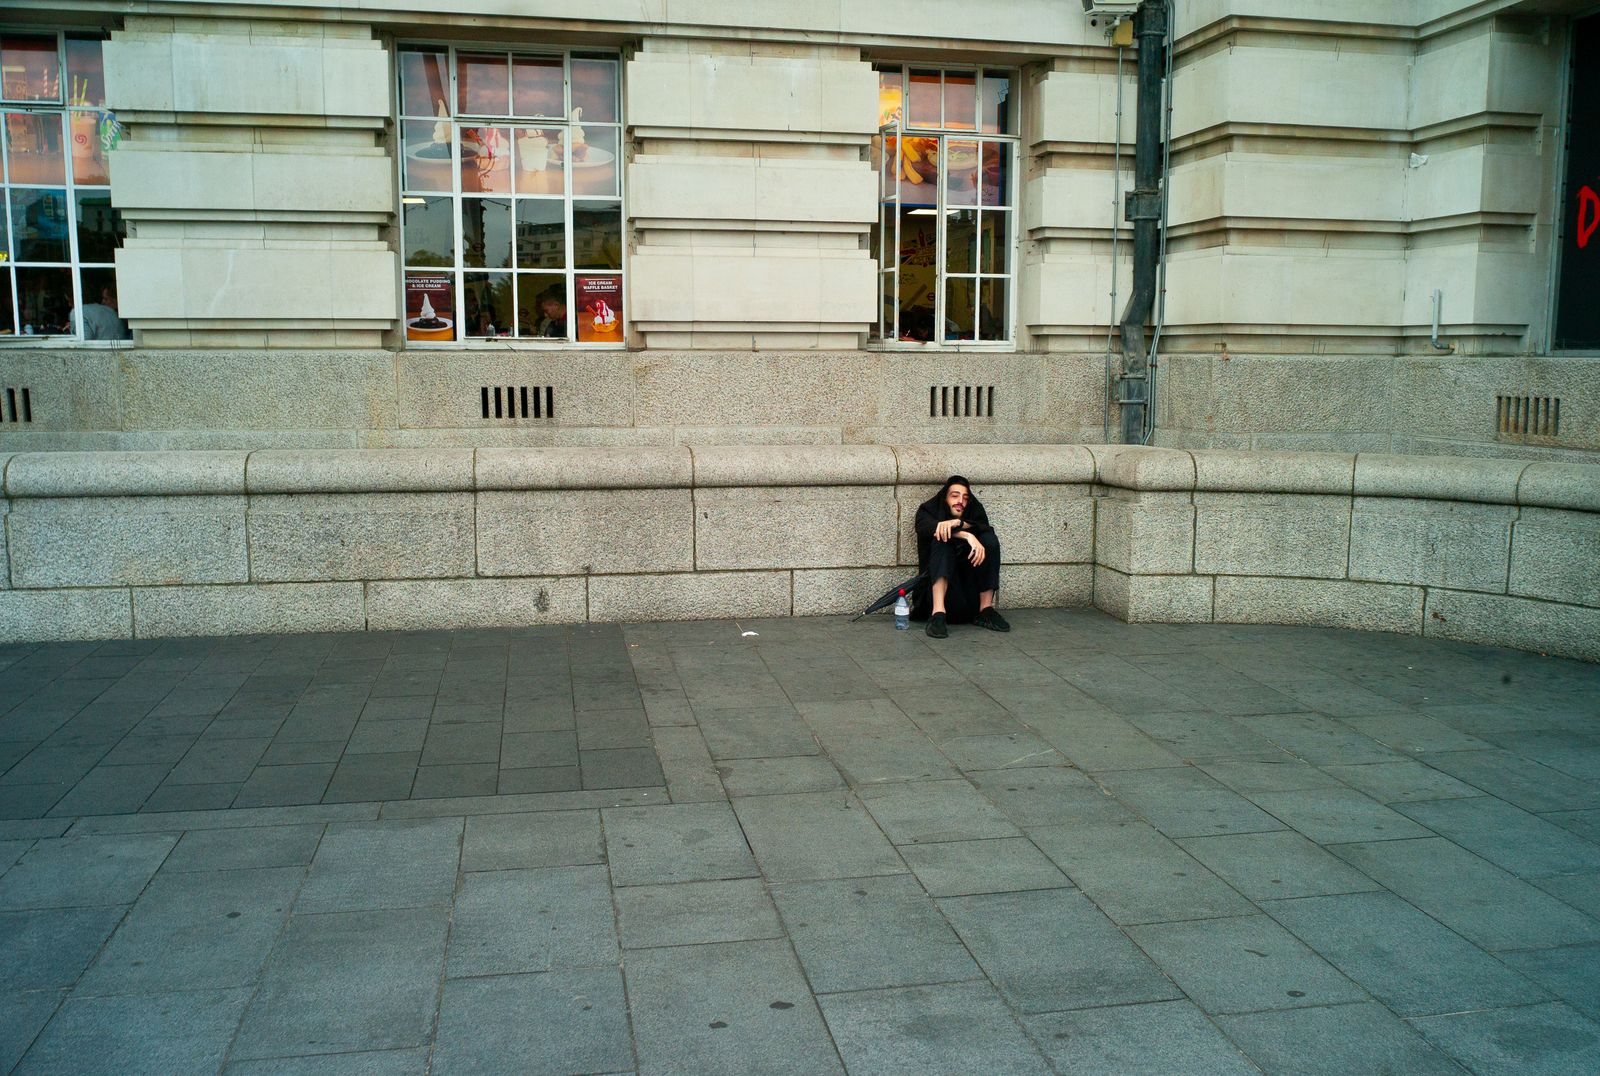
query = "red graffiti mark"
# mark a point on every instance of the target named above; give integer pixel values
(1588, 215)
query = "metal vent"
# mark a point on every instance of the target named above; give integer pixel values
(961, 401)
(1528, 416)
(514, 402)
(17, 406)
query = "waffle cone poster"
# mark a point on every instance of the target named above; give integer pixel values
(599, 301)
(430, 307)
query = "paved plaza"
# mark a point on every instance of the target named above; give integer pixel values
(800, 846)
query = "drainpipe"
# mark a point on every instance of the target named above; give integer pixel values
(1144, 211)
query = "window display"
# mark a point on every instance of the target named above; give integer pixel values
(945, 155)
(511, 209)
(58, 232)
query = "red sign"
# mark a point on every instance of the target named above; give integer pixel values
(599, 301)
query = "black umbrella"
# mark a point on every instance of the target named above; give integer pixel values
(894, 592)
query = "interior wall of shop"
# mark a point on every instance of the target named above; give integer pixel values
(1307, 240)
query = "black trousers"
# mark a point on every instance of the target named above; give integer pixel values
(949, 560)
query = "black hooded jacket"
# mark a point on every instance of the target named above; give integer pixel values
(935, 511)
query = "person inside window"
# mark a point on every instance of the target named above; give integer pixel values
(553, 312)
(960, 554)
(100, 319)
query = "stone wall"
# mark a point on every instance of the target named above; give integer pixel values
(107, 545)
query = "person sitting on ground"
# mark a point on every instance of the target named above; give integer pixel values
(960, 554)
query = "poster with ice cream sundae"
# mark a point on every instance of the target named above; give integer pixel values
(599, 300)
(430, 306)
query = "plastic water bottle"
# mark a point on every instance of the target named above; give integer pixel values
(902, 613)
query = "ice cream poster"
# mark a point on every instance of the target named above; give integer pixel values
(599, 300)
(430, 307)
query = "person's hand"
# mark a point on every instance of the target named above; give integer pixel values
(977, 555)
(944, 530)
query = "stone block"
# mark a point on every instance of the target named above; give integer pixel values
(244, 390)
(1332, 603)
(827, 388)
(327, 536)
(827, 591)
(248, 609)
(793, 465)
(119, 541)
(1561, 485)
(1556, 555)
(794, 527)
(68, 389)
(1267, 534)
(444, 389)
(256, 284)
(1569, 631)
(576, 532)
(1037, 524)
(584, 468)
(1045, 586)
(358, 470)
(1144, 533)
(1444, 478)
(1146, 469)
(41, 616)
(124, 474)
(988, 465)
(689, 596)
(1431, 543)
(1168, 599)
(432, 604)
(1219, 470)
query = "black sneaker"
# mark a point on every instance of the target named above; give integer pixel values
(936, 628)
(990, 618)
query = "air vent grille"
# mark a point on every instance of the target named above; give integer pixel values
(16, 406)
(1527, 416)
(961, 401)
(513, 403)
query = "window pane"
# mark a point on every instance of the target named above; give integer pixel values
(89, 166)
(960, 99)
(485, 160)
(430, 231)
(39, 225)
(488, 303)
(86, 73)
(887, 293)
(919, 171)
(34, 144)
(995, 242)
(597, 235)
(996, 173)
(539, 153)
(599, 308)
(924, 105)
(918, 275)
(541, 233)
(594, 160)
(961, 240)
(594, 90)
(542, 305)
(100, 228)
(100, 319)
(28, 67)
(958, 308)
(537, 86)
(8, 327)
(45, 296)
(891, 96)
(423, 78)
(486, 233)
(961, 172)
(993, 313)
(483, 84)
(427, 155)
(430, 306)
(892, 163)
(996, 104)
(5, 234)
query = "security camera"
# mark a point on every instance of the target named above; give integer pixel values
(1115, 8)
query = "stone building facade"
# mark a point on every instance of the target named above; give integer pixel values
(875, 222)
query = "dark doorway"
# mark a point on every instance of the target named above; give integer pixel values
(1578, 289)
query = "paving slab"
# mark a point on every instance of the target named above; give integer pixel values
(48, 948)
(694, 913)
(516, 921)
(1051, 796)
(68, 872)
(952, 1028)
(816, 835)
(1163, 1038)
(535, 839)
(1507, 836)
(961, 868)
(1185, 802)
(1571, 973)
(158, 1034)
(1336, 1040)
(688, 842)
(1270, 866)
(924, 812)
(1535, 1040)
(551, 1024)
(383, 864)
(1338, 815)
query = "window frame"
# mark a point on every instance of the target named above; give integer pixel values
(63, 109)
(457, 119)
(877, 337)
